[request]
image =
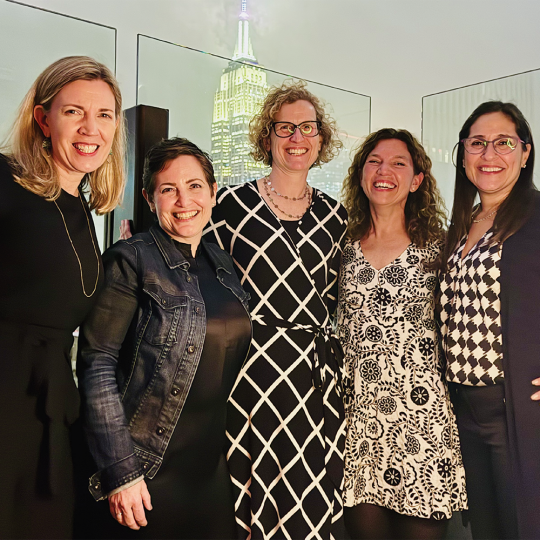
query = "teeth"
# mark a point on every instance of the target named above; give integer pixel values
(185, 215)
(491, 169)
(297, 151)
(386, 185)
(86, 148)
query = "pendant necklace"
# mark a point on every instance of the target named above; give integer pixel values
(75, 251)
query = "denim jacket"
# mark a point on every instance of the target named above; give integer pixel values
(139, 351)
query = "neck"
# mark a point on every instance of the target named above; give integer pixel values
(70, 183)
(291, 184)
(491, 201)
(387, 222)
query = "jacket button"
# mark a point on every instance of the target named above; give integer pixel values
(160, 431)
(191, 349)
(145, 465)
(96, 485)
(188, 279)
(164, 301)
(175, 391)
(197, 309)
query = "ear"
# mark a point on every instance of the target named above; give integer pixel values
(525, 156)
(417, 180)
(40, 116)
(149, 200)
(214, 191)
(266, 144)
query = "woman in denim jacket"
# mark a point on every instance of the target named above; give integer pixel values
(159, 355)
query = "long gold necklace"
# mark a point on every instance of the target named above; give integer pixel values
(75, 251)
(268, 194)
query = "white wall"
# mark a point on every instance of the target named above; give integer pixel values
(396, 51)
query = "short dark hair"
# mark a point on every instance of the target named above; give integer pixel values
(168, 150)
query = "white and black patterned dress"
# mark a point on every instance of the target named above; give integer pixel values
(402, 449)
(286, 422)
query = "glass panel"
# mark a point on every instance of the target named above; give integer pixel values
(443, 115)
(30, 40)
(212, 99)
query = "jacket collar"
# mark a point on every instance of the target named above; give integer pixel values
(174, 257)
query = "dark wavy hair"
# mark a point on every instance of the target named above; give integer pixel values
(516, 208)
(424, 209)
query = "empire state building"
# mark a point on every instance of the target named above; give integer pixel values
(241, 91)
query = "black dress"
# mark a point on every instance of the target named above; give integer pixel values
(192, 492)
(41, 304)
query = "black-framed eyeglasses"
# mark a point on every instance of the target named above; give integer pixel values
(287, 129)
(501, 145)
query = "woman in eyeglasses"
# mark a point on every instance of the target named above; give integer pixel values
(286, 420)
(490, 320)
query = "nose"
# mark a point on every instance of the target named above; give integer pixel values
(489, 150)
(297, 135)
(182, 195)
(383, 166)
(89, 125)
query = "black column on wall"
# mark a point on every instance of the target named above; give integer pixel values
(146, 126)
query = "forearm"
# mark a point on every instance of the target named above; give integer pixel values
(102, 337)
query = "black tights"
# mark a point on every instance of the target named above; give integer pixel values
(370, 522)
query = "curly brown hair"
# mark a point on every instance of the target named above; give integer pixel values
(425, 217)
(260, 126)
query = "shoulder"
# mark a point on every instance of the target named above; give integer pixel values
(6, 174)
(127, 249)
(217, 253)
(243, 191)
(329, 204)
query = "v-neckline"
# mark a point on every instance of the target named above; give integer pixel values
(378, 270)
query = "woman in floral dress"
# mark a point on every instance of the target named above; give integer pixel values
(403, 471)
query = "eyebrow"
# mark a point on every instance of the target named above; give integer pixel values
(393, 157)
(81, 107)
(496, 136)
(184, 181)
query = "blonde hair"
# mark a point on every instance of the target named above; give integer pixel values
(260, 126)
(34, 168)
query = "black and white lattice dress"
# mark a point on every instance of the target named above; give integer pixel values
(285, 423)
(402, 449)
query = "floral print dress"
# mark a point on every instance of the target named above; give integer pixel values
(402, 447)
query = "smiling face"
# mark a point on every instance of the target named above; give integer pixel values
(182, 199)
(297, 152)
(81, 124)
(494, 175)
(388, 174)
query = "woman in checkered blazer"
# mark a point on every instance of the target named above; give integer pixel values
(490, 320)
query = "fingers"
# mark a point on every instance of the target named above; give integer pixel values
(146, 499)
(536, 395)
(127, 506)
(125, 229)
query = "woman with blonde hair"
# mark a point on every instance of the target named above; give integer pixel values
(403, 470)
(285, 419)
(69, 136)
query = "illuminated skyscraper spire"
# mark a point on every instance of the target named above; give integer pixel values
(243, 50)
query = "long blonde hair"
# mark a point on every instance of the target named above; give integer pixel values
(34, 168)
